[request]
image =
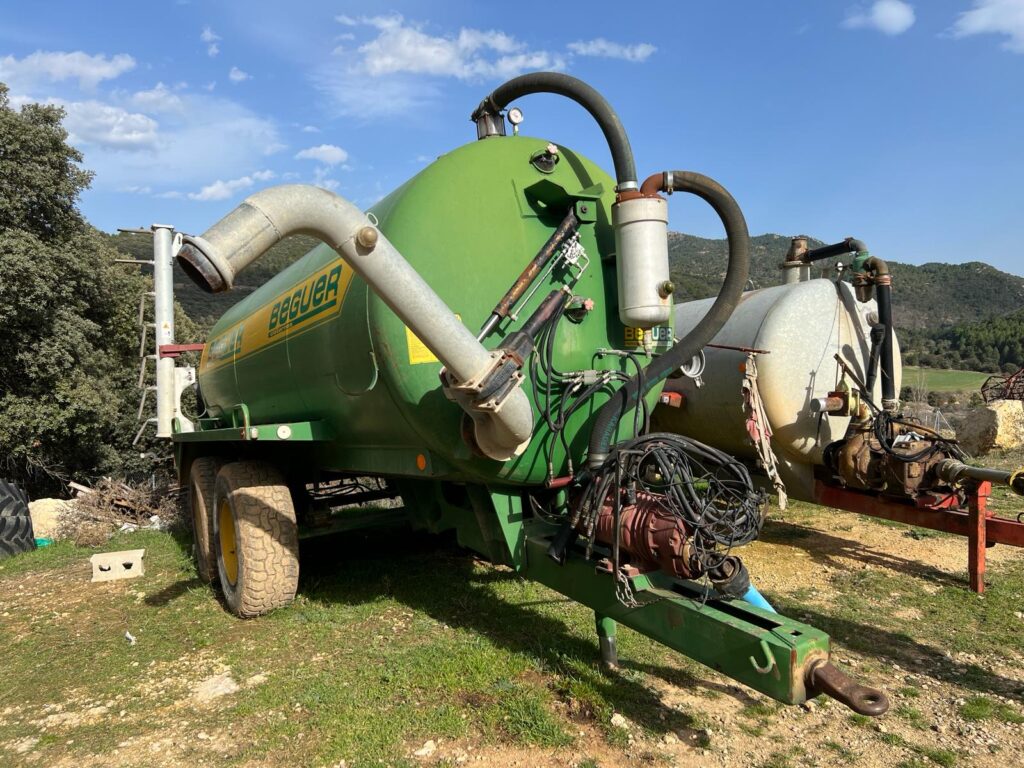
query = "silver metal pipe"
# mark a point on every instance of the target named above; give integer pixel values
(163, 319)
(263, 219)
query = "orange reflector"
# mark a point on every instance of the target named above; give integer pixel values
(421, 462)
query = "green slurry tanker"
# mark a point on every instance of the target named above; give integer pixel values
(488, 344)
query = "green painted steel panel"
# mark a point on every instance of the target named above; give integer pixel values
(468, 223)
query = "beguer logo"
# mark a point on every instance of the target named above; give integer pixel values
(308, 300)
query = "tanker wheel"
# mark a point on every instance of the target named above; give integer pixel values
(256, 538)
(201, 480)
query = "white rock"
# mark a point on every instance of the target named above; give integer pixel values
(619, 721)
(45, 514)
(426, 750)
(997, 425)
(214, 687)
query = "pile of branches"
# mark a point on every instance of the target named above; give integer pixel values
(114, 505)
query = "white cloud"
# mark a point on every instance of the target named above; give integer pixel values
(210, 86)
(328, 154)
(891, 17)
(210, 37)
(221, 190)
(607, 49)
(207, 138)
(353, 94)
(136, 190)
(103, 125)
(389, 71)
(237, 76)
(159, 98)
(322, 179)
(310, 129)
(273, 149)
(56, 66)
(404, 48)
(1002, 17)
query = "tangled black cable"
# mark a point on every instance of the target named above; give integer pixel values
(884, 433)
(711, 491)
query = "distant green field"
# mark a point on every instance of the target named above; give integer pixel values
(942, 380)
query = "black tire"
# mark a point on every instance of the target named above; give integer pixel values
(13, 500)
(15, 532)
(201, 479)
(256, 538)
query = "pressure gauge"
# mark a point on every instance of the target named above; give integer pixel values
(515, 116)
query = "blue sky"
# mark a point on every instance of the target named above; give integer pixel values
(901, 123)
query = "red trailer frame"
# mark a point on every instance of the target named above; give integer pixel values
(977, 522)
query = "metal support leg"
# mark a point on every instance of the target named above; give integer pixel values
(606, 630)
(976, 540)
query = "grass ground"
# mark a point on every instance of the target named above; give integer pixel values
(393, 650)
(942, 380)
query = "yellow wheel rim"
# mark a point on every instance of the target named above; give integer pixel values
(228, 544)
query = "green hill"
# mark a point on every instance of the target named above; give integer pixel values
(925, 297)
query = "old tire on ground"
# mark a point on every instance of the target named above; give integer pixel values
(16, 535)
(201, 480)
(256, 538)
(13, 500)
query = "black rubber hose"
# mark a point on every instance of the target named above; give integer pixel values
(849, 245)
(607, 421)
(582, 94)
(884, 296)
(877, 335)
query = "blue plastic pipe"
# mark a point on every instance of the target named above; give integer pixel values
(754, 597)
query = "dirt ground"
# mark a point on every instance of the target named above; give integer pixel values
(894, 600)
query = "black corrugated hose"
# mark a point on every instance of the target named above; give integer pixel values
(582, 94)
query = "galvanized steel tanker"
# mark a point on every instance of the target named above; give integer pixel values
(794, 332)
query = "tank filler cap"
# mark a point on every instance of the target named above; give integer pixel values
(545, 160)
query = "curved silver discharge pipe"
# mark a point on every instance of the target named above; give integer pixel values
(502, 428)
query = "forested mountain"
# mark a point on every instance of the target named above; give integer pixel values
(990, 345)
(929, 296)
(948, 315)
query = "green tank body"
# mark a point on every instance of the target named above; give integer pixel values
(314, 344)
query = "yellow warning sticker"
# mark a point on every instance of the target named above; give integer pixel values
(418, 351)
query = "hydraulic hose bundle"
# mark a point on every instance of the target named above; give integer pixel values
(706, 504)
